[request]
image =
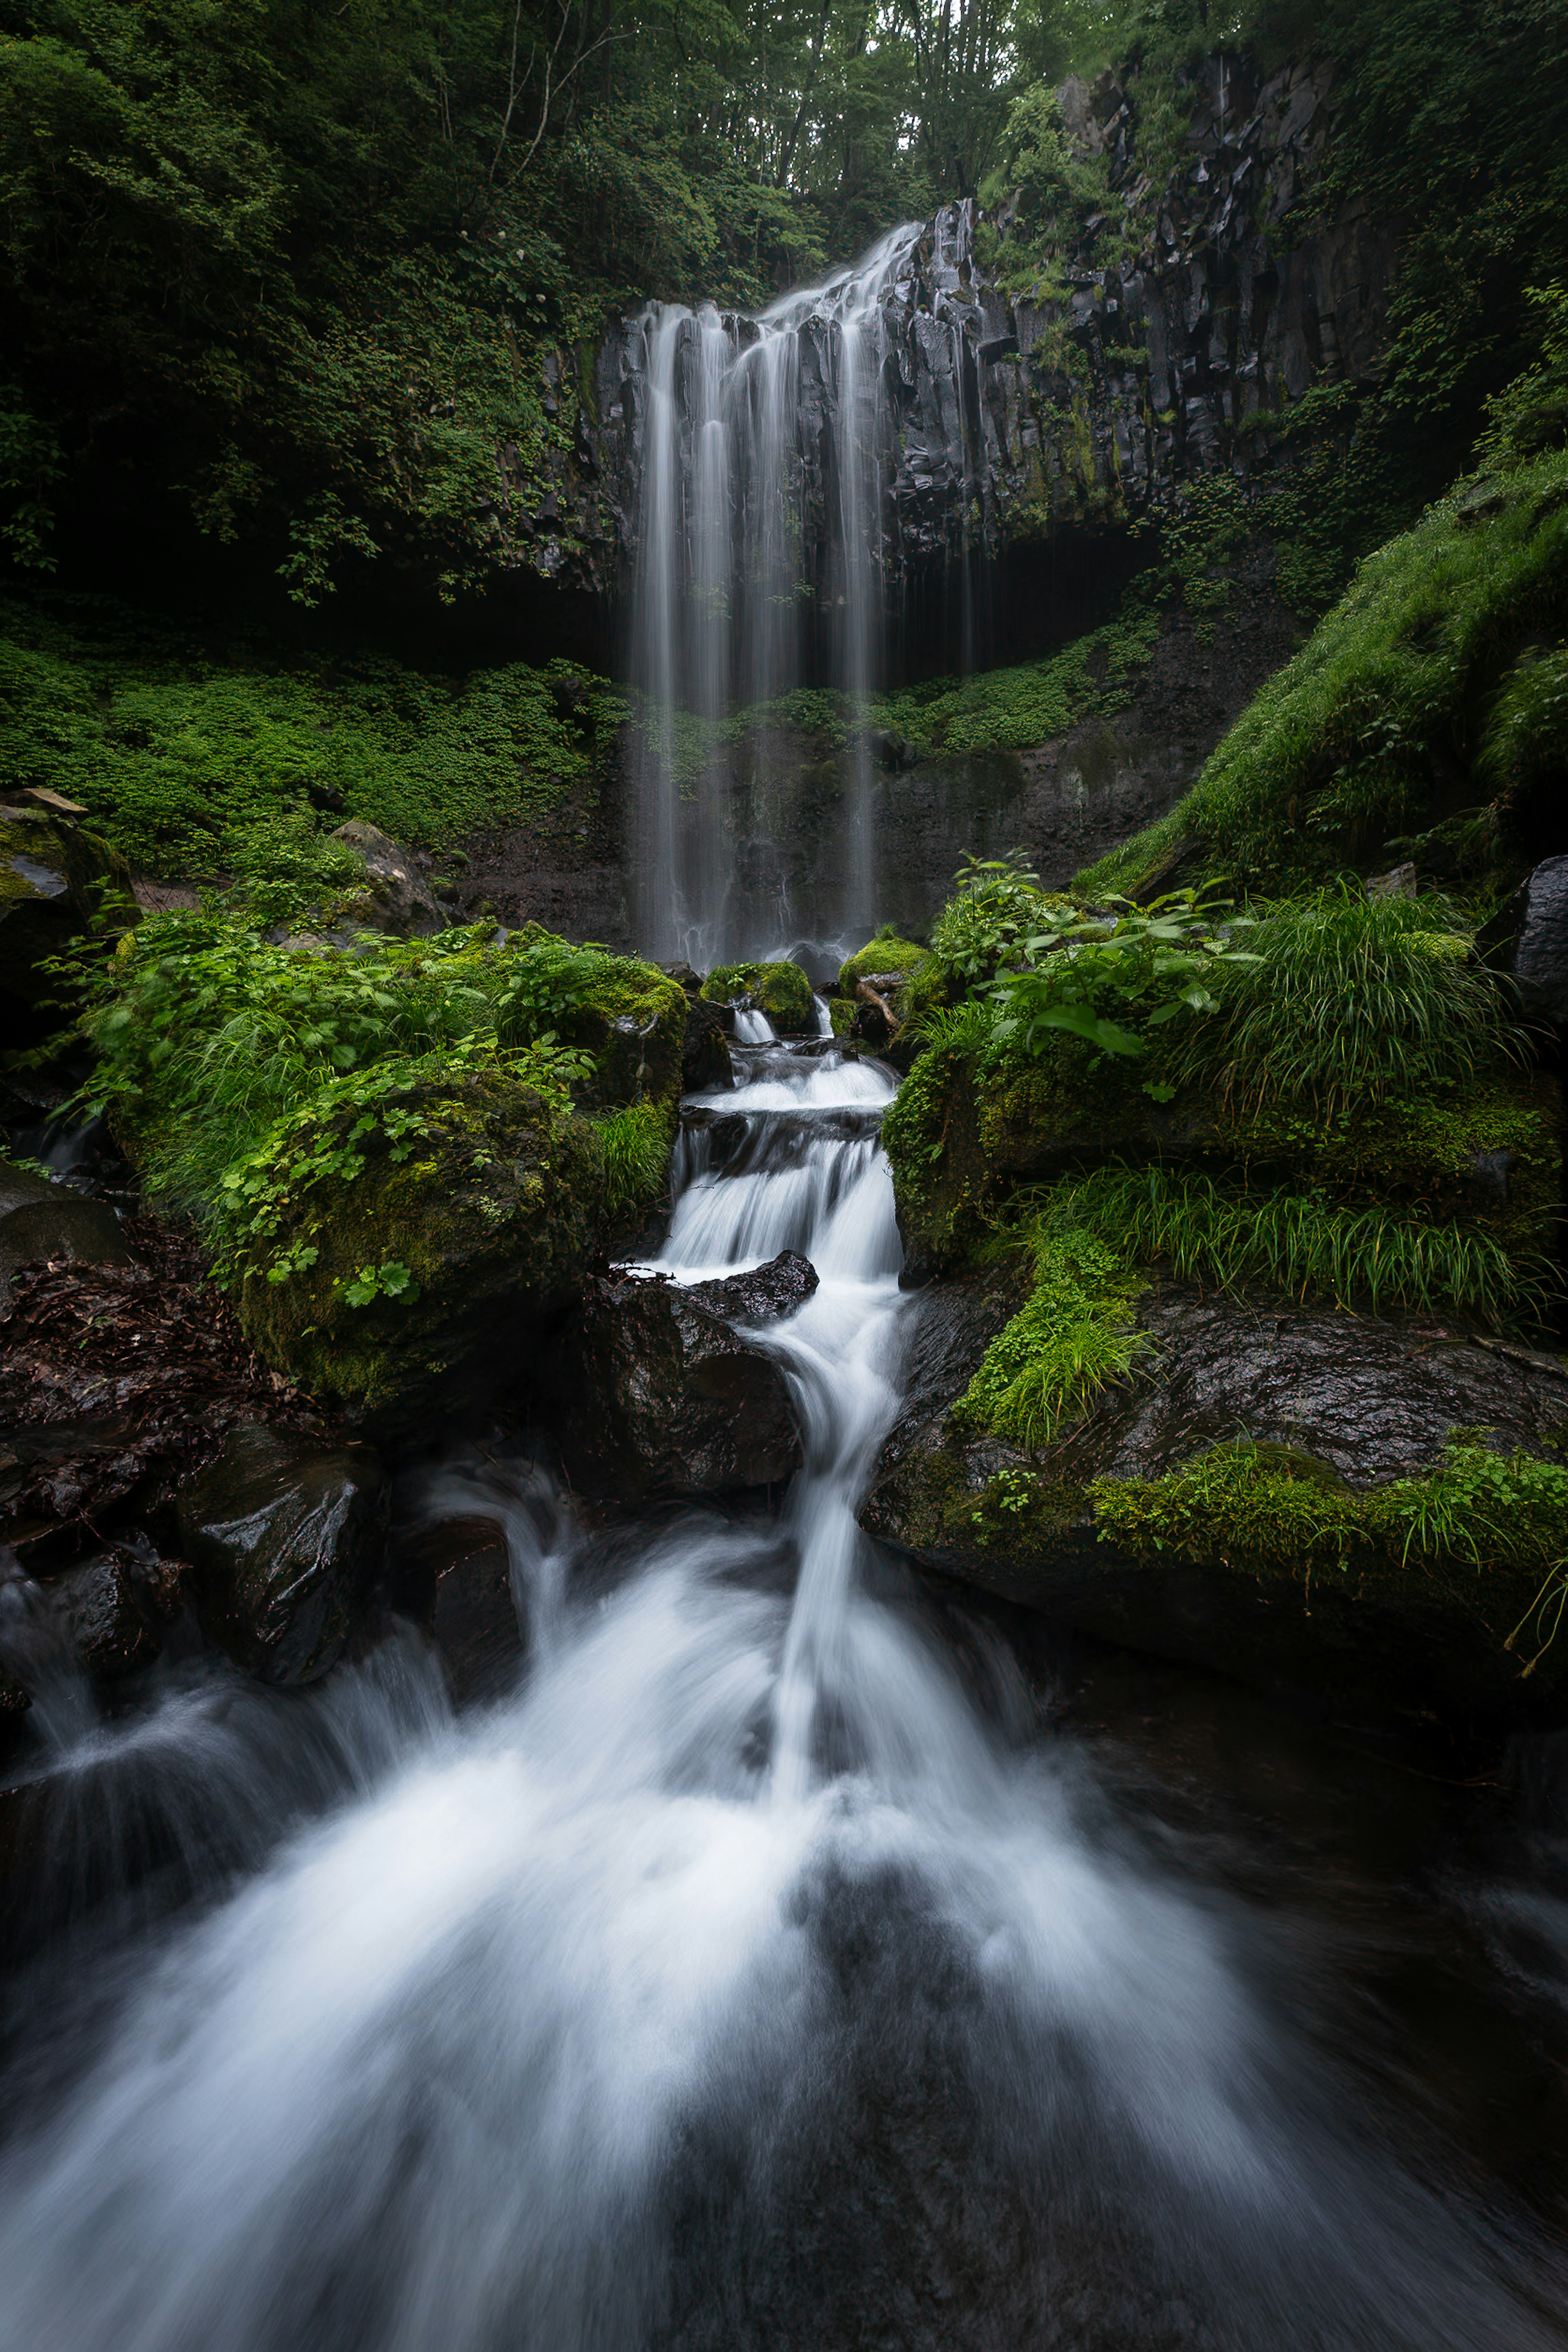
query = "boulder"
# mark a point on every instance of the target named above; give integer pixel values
(454, 1575)
(705, 1064)
(435, 1269)
(53, 878)
(1529, 940)
(283, 1536)
(40, 1222)
(658, 1394)
(1346, 1403)
(397, 899)
(116, 1606)
(782, 991)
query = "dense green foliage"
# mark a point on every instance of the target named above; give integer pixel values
(241, 1073)
(1349, 1001)
(1418, 691)
(181, 755)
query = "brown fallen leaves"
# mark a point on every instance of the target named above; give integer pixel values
(114, 1378)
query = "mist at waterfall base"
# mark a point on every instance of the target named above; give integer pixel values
(745, 1978)
(763, 439)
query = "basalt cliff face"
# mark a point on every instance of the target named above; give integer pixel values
(1004, 419)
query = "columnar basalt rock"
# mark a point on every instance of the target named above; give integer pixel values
(1001, 418)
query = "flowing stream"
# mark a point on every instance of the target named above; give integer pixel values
(749, 1976)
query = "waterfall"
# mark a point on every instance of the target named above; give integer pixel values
(768, 444)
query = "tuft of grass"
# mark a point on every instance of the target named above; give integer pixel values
(1351, 1001)
(1073, 1338)
(636, 1145)
(1304, 1244)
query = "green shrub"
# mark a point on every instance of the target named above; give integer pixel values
(223, 1057)
(636, 1141)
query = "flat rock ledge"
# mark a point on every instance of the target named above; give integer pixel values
(1351, 1400)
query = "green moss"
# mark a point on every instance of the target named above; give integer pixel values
(178, 750)
(489, 1220)
(1418, 661)
(632, 1018)
(885, 953)
(1487, 1530)
(782, 991)
(1073, 1338)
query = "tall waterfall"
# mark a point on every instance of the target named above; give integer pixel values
(767, 445)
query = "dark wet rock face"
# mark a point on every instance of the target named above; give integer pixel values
(1186, 359)
(117, 1608)
(283, 1536)
(1350, 1400)
(658, 1394)
(1529, 940)
(42, 1223)
(705, 1064)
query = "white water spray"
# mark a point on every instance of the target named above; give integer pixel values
(739, 481)
(731, 1984)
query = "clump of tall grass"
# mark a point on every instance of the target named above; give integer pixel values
(635, 1142)
(1302, 1243)
(1351, 1001)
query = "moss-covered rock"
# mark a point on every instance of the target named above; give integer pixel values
(1351, 1506)
(633, 1019)
(782, 991)
(437, 1261)
(885, 953)
(54, 879)
(1489, 1160)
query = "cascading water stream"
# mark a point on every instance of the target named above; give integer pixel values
(762, 439)
(732, 1984)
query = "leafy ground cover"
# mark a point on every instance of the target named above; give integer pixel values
(181, 756)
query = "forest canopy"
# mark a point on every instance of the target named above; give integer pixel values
(296, 266)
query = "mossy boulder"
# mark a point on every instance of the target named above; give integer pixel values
(782, 991)
(53, 878)
(633, 1019)
(885, 953)
(1245, 1499)
(436, 1273)
(960, 1140)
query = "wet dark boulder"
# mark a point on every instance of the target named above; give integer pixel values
(1529, 940)
(283, 1536)
(54, 875)
(659, 1395)
(705, 1064)
(117, 1606)
(1337, 1406)
(42, 1223)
